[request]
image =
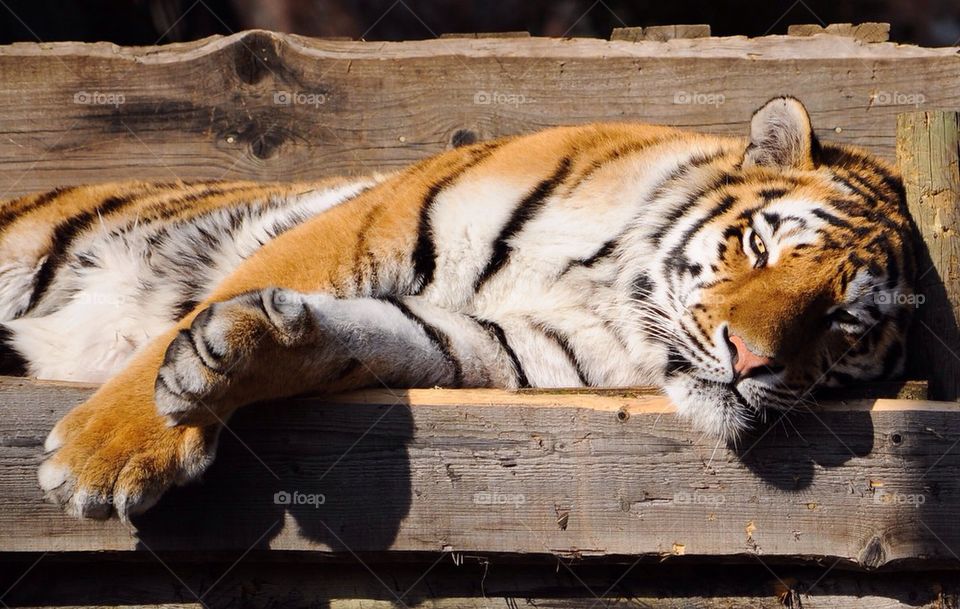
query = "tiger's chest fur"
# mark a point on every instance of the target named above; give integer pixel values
(121, 263)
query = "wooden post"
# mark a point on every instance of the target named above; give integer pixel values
(927, 152)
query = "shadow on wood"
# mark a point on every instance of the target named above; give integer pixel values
(343, 482)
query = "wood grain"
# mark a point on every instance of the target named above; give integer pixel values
(280, 107)
(928, 156)
(865, 482)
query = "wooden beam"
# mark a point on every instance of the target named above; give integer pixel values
(225, 107)
(863, 481)
(927, 153)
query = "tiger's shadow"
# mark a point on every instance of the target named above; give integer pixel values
(786, 450)
(340, 475)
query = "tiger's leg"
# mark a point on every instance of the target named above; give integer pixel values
(266, 343)
(275, 342)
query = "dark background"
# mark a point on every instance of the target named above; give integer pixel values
(145, 22)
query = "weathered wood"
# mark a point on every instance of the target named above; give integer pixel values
(927, 152)
(486, 35)
(660, 33)
(865, 482)
(461, 581)
(864, 32)
(268, 106)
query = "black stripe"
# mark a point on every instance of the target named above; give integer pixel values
(567, 349)
(436, 336)
(769, 194)
(693, 337)
(691, 200)
(832, 220)
(522, 213)
(681, 171)
(172, 207)
(676, 258)
(887, 253)
(63, 236)
(676, 362)
(8, 215)
(198, 340)
(600, 254)
(641, 287)
(620, 151)
(11, 362)
(162, 382)
(606, 250)
(497, 333)
(183, 308)
(424, 256)
(425, 252)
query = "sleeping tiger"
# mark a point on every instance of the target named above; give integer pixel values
(735, 273)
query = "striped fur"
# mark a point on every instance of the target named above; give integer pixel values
(603, 255)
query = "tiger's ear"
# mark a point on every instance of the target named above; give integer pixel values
(781, 136)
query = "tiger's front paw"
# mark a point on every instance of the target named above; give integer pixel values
(204, 362)
(120, 458)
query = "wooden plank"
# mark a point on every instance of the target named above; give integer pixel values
(458, 581)
(267, 106)
(927, 152)
(486, 35)
(864, 32)
(660, 33)
(865, 482)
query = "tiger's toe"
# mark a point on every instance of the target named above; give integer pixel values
(195, 371)
(123, 466)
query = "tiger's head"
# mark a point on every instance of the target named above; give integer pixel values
(793, 270)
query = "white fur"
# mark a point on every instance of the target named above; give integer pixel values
(103, 315)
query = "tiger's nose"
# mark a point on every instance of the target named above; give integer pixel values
(745, 361)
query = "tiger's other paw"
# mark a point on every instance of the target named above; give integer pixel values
(115, 459)
(205, 361)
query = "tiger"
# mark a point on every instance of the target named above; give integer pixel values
(735, 273)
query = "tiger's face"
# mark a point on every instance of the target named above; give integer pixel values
(796, 273)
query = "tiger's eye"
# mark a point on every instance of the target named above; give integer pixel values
(844, 317)
(759, 249)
